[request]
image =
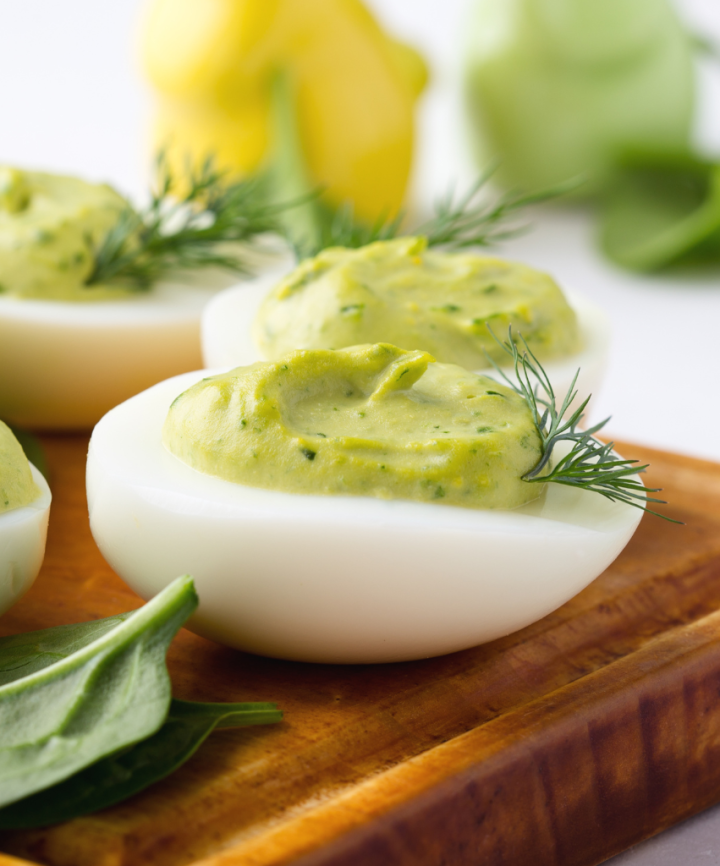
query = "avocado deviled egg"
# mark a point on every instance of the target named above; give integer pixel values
(449, 303)
(98, 300)
(24, 509)
(367, 504)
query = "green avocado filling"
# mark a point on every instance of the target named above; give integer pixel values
(370, 420)
(400, 292)
(48, 224)
(17, 487)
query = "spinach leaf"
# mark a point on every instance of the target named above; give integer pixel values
(78, 693)
(662, 210)
(123, 774)
(23, 654)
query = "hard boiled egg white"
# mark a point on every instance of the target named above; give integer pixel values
(65, 364)
(22, 544)
(334, 579)
(227, 341)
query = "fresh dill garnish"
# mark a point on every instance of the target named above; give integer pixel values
(343, 230)
(187, 230)
(474, 221)
(336, 228)
(589, 464)
(458, 222)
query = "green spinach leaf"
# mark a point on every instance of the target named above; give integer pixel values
(23, 654)
(662, 210)
(72, 695)
(123, 774)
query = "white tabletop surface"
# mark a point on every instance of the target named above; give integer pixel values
(73, 100)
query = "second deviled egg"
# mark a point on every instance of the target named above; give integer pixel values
(400, 291)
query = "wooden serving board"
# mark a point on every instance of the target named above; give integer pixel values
(560, 744)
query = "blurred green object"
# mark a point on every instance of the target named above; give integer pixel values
(662, 210)
(557, 88)
(33, 450)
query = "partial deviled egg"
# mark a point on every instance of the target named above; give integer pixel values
(24, 510)
(400, 292)
(70, 362)
(73, 348)
(355, 506)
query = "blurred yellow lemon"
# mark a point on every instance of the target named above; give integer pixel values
(213, 63)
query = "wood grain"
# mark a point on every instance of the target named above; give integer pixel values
(560, 744)
(6, 860)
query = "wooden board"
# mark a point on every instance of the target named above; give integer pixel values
(561, 744)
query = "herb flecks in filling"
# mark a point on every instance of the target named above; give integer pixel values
(48, 223)
(401, 292)
(370, 420)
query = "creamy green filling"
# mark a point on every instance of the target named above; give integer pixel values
(48, 224)
(370, 420)
(17, 487)
(400, 292)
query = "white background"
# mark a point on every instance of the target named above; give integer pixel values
(73, 100)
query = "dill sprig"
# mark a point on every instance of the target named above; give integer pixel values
(338, 228)
(468, 220)
(187, 231)
(343, 230)
(589, 464)
(472, 220)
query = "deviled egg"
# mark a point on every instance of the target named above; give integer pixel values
(360, 505)
(400, 291)
(74, 349)
(24, 509)
(72, 362)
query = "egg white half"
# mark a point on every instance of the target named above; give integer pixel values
(334, 578)
(227, 341)
(65, 364)
(22, 544)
